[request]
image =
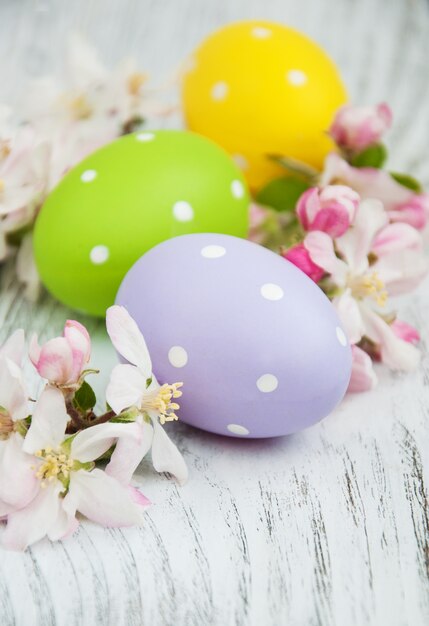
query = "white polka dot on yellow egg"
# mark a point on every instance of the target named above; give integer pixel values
(219, 91)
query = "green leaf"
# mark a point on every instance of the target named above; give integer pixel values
(373, 156)
(84, 398)
(282, 193)
(407, 181)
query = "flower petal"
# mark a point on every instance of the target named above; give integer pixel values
(13, 394)
(127, 338)
(13, 347)
(363, 377)
(80, 344)
(321, 249)
(395, 353)
(91, 443)
(126, 387)
(28, 525)
(103, 499)
(55, 362)
(49, 422)
(129, 453)
(18, 482)
(356, 244)
(350, 316)
(403, 271)
(165, 456)
(395, 238)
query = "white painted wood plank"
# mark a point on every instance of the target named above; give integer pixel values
(330, 526)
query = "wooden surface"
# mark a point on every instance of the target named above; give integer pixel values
(330, 526)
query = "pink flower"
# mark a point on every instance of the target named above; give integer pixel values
(405, 331)
(363, 286)
(413, 211)
(299, 256)
(355, 128)
(66, 481)
(62, 360)
(402, 204)
(363, 377)
(154, 404)
(13, 347)
(15, 465)
(331, 209)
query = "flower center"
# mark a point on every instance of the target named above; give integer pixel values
(80, 108)
(56, 464)
(135, 81)
(7, 425)
(160, 400)
(4, 149)
(370, 286)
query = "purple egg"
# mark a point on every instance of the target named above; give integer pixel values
(257, 344)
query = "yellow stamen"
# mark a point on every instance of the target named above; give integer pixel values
(4, 149)
(135, 81)
(160, 400)
(56, 465)
(80, 108)
(370, 286)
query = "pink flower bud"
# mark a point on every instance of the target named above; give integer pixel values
(363, 377)
(413, 211)
(62, 359)
(299, 256)
(355, 128)
(405, 331)
(330, 210)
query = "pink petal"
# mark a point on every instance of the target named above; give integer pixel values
(405, 331)
(395, 353)
(103, 499)
(55, 362)
(127, 339)
(299, 256)
(321, 249)
(403, 271)
(80, 344)
(126, 387)
(395, 238)
(165, 455)
(129, 453)
(363, 376)
(49, 422)
(138, 497)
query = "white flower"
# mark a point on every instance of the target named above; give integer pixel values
(377, 260)
(66, 481)
(134, 385)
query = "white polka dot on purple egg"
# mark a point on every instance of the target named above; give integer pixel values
(271, 291)
(237, 429)
(267, 383)
(213, 252)
(178, 356)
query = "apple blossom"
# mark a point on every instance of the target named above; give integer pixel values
(66, 480)
(402, 204)
(299, 256)
(62, 360)
(357, 127)
(331, 209)
(363, 377)
(405, 331)
(377, 259)
(134, 385)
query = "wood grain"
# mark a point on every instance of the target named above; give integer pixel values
(329, 526)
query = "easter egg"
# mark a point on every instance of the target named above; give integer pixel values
(124, 199)
(257, 344)
(260, 88)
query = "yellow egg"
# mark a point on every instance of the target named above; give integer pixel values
(260, 88)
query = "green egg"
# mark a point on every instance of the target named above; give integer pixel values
(126, 198)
